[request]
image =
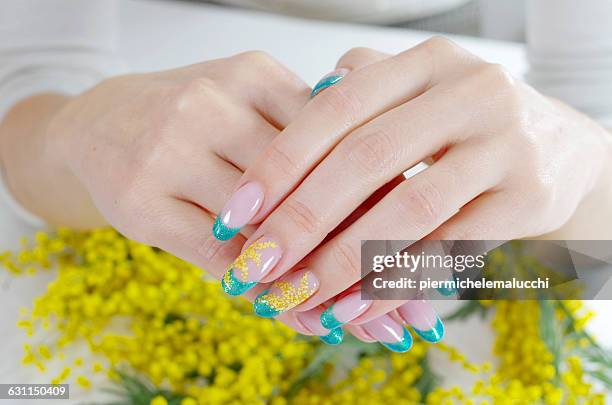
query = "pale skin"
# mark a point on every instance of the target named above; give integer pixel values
(143, 153)
(508, 163)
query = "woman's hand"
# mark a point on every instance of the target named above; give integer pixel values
(157, 153)
(507, 163)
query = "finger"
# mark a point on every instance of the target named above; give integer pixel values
(359, 333)
(353, 60)
(195, 187)
(359, 97)
(489, 217)
(424, 320)
(419, 314)
(344, 309)
(410, 211)
(366, 160)
(481, 219)
(390, 333)
(179, 227)
(358, 58)
(253, 135)
(327, 323)
(311, 320)
(276, 92)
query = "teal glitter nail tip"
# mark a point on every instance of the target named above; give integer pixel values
(328, 320)
(400, 347)
(263, 308)
(232, 286)
(433, 335)
(447, 292)
(222, 232)
(334, 337)
(325, 83)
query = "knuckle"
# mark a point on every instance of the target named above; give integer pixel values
(257, 59)
(543, 192)
(280, 160)
(439, 43)
(372, 153)
(424, 201)
(347, 259)
(133, 210)
(212, 250)
(497, 75)
(340, 103)
(300, 216)
(354, 55)
(194, 93)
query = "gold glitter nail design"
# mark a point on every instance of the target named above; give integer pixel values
(285, 294)
(253, 253)
(251, 266)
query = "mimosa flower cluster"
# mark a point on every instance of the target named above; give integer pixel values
(143, 312)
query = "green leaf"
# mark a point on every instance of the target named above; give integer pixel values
(428, 379)
(551, 334)
(467, 309)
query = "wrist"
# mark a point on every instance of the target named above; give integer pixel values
(592, 219)
(36, 176)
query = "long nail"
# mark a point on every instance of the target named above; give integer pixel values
(344, 310)
(329, 80)
(251, 266)
(423, 319)
(286, 293)
(311, 320)
(389, 333)
(448, 290)
(238, 211)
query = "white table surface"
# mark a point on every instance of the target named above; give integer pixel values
(164, 34)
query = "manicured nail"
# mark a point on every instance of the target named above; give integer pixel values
(286, 293)
(329, 80)
(251, 266)
(344, 310)
(389, 333)
(239, 210)
(334, 337)
(311, 320)
(448, 290)
(423, 319)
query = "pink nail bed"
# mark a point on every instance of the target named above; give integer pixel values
(418, 313)
(385, 329)
(389, 333)
(243, 205)
(350, 307)
(239, 210)
(259, 258)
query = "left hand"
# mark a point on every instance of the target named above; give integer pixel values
(508, 163)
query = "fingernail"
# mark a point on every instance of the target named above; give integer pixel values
(344, 310)
(286, 293)
(334, 337)
(239, 210)
(329, 80)
(311, 320)
(251, 266)
(447, 289)
(423, 319)
(389, 333)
